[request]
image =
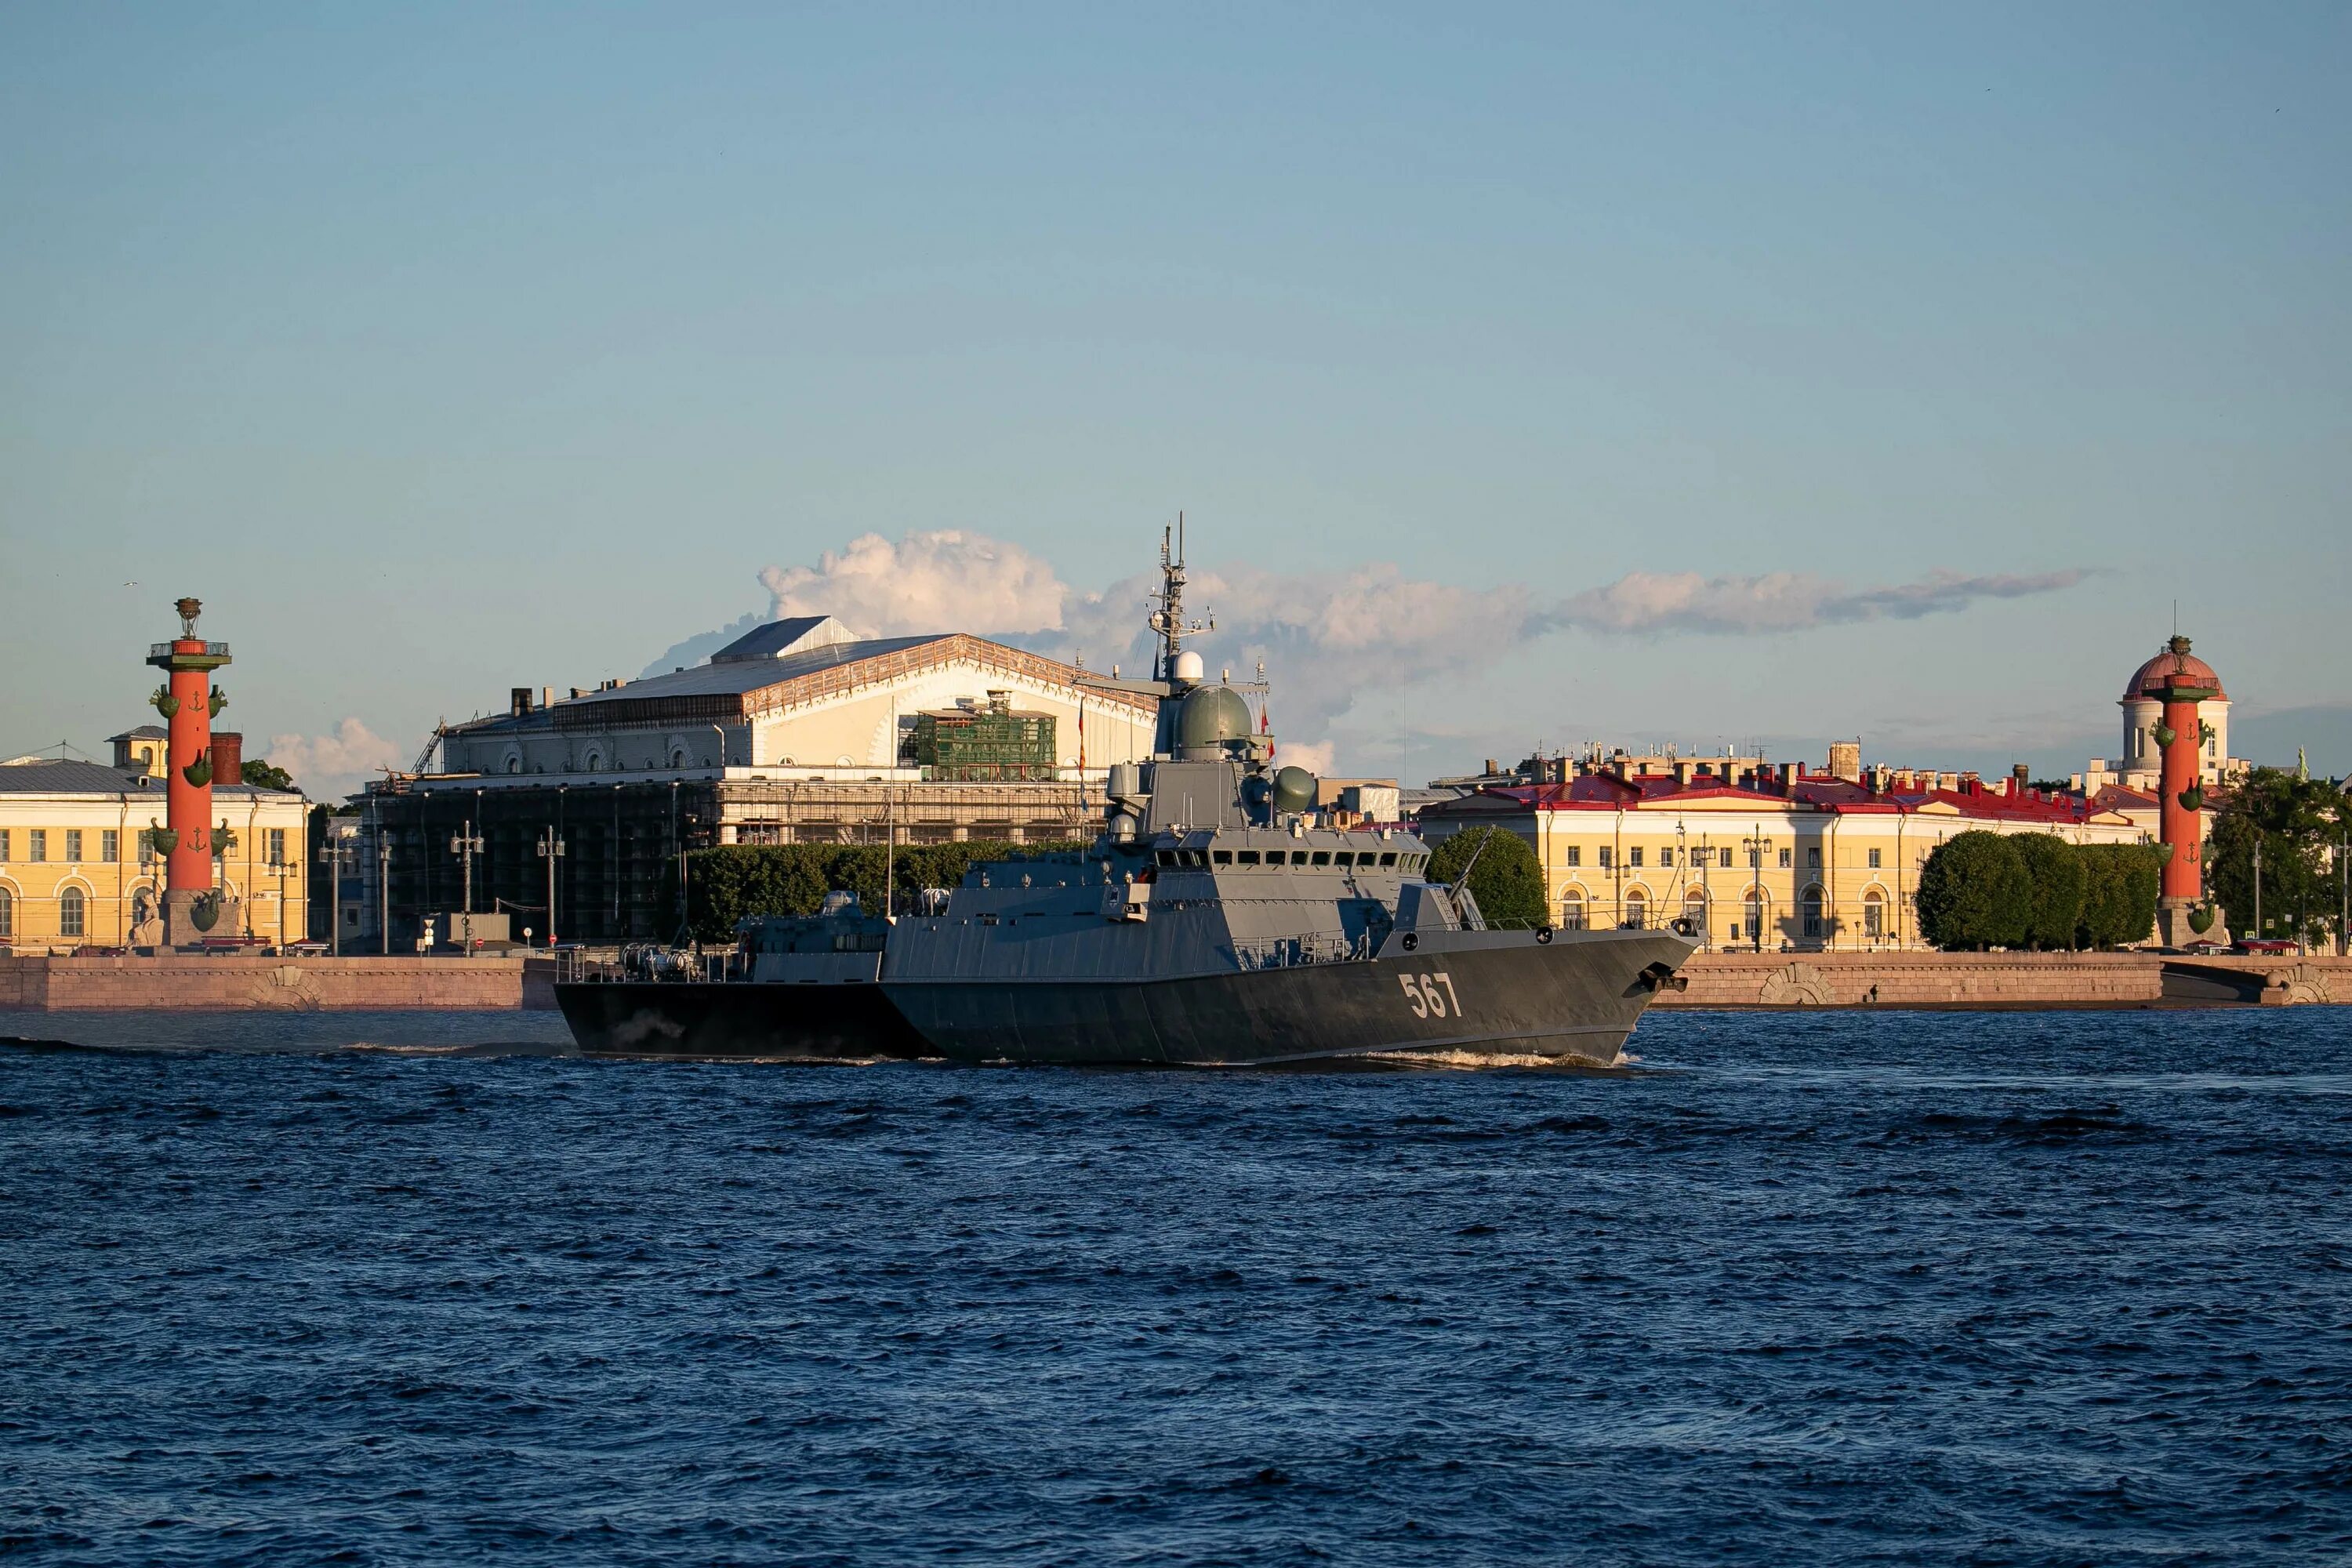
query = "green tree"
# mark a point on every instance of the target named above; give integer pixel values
(729, 883)
(1975, 892)
(259, 773)
(2120, 883)
(2057, 870)
(2297, 821)
(1508, 880)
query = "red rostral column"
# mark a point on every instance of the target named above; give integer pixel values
(2180, 738)
(186, 702)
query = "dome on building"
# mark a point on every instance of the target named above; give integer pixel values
(2176, 661)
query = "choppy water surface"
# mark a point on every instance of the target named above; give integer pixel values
(1862, 1287)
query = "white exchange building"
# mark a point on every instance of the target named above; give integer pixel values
(802, 698)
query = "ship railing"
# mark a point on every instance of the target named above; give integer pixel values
(670, 966)
(1290, 952)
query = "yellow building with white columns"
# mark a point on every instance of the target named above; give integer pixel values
(1777, 858)
(77, 870)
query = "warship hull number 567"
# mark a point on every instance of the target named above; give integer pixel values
(1213, 923)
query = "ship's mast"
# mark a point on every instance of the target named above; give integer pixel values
(1168, 620)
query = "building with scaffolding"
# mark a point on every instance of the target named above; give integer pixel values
(796, 733)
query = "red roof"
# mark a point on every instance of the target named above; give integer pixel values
(1656, 791)
(2168, 666)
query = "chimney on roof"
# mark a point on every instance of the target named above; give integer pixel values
(1789, 773)
(228, 757)
(546, 697)
(1971, 783)
(1683, 767)
(1493, 767)
(517, 701)
(2019, 776)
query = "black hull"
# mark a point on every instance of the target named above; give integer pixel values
(1574, 1000)
(742, 1019)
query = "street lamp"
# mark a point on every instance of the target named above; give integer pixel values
(550, 849)
(334, 858)
(1758, 846)
(382, 889)
(465, 846)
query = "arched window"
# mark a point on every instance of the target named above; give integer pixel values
(70, 913)
(7, 913)
(594, 762)
(1873, 915)
(1816, 926)
(1637, 909)
(1751, 912)
(1572, 910)
(1694, 910)
(514, 763)
(678, 760)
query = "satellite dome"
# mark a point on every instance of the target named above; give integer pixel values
(1188, 665)
(1211, 716)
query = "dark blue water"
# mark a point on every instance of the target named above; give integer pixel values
(1831, 1288)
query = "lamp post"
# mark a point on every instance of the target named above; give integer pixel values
(382, 889)
(550, 849)
(464, 846)
(334, 858)
(2258, 881)
(1758, 846)
(1706, 891)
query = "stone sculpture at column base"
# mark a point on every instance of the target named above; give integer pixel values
(2173, 930)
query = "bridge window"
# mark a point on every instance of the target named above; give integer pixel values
(1164, 857)
(1388, 857)
(1298, 856)
(1343, 857)
(1246, 857)
(1321, 857)
(1222, 857)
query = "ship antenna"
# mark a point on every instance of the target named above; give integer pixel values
(1168, 619)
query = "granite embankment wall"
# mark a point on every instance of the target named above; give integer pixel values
(194, 981)
(2024, 979)
(1956, 979)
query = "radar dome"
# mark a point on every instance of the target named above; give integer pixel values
(1211, 716)
(1294, 791)
(1187, 666)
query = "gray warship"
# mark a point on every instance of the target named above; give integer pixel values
(1213, 923)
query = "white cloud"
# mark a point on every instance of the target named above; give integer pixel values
(1315, 756)
(1781, 601)
(943, 580)
(1325, 638)
(328, 768)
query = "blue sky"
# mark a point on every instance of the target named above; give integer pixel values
(443, 350)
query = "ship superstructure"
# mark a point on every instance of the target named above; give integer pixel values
(1215, 921)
